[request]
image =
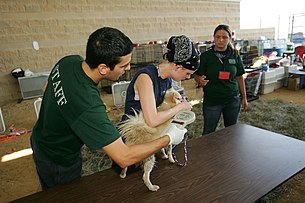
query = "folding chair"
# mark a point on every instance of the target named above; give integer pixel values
(2, 125)
(37, 104)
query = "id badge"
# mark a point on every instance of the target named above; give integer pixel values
(223, 75)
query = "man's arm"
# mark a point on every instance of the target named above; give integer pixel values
(125, 155)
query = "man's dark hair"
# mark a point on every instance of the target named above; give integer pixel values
(106, 46)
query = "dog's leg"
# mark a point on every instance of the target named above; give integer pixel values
(163, 154)
(123, 172)
(170, 154)
(148, 166)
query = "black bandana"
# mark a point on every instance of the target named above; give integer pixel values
(183, 52)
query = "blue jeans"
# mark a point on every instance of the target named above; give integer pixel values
(230, 112)
(51, 174)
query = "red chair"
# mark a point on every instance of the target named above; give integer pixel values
(299, 50)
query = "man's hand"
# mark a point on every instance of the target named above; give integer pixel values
(175, 134)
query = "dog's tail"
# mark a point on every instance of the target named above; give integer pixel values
(134, 130)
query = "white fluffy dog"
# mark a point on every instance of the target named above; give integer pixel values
(135, 131)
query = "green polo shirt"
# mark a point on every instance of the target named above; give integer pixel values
(219, 91)
(72, 114)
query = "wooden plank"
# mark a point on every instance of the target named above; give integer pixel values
(240, 163)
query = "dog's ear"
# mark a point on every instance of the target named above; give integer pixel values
(173, 98)
(177, 97)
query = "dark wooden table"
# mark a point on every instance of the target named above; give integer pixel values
(240, 163)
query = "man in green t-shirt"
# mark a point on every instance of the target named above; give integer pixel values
(72, 113)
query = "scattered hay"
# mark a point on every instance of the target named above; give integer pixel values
(273, 115)
(276, 116)
(94, 161)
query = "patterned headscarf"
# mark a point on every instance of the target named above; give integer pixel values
(182, 51)
(183, 48)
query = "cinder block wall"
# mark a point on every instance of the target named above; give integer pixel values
(62, 27)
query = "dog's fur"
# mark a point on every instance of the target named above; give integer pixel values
(135, 131)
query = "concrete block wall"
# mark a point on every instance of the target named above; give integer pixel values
(62, 27)
(255, 34)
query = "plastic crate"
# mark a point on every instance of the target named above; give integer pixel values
(269, 77)
(279, 83)
(279, 72)
(267, 88)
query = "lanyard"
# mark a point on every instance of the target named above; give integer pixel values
(185, 152)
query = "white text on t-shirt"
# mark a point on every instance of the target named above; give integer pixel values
(58, 89)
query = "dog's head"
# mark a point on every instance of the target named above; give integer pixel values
(171, 99)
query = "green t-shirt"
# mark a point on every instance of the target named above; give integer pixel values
(72, 114)
(220, 91)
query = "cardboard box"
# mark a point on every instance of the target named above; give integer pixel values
(294, 82)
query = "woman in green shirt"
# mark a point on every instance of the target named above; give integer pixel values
(221, 75)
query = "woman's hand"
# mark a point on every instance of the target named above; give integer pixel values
(201, 80)
(244, 104)
(184, 106)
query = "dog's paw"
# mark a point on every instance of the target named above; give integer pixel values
(171, 159)
(123, 172)
(163, 154)
(123, 175)
(154, 188)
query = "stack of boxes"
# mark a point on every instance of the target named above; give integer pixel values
(279, 76)
(268, 81)
(276, 78)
